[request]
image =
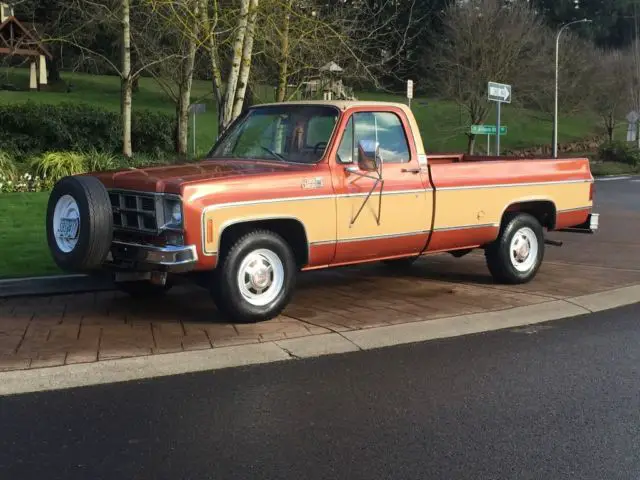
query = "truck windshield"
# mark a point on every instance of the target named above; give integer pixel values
(287, 133)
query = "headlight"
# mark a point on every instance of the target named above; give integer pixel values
(172, 213)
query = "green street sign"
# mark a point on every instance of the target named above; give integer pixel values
(487, 130)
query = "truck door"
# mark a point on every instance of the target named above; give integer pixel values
(386, 213)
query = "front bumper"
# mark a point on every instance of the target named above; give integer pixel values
(146, 258)
(591, 225)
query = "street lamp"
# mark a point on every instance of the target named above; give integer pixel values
(555, 116)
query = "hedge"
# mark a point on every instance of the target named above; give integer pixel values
(33, 128)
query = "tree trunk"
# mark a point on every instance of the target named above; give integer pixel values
(216, 75)
(471, 143)
(126, 89)
(184, 99)
(245, 66)
(236, 63)
(283, 77)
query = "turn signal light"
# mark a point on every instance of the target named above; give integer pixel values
(209, 231)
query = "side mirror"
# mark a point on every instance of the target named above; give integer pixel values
(369, 156)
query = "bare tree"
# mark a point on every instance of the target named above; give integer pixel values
(127, 19)
(167, 40)
(577, 68)
(487, 40)
(612, 81)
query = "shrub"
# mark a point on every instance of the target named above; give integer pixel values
(34, 128)
(8, 168)
(55, 165)
(95, 161)
(621, 152)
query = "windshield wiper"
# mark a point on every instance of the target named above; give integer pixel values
(277, 155)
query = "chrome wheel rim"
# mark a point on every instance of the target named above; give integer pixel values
(66, 223)
(261, 277)
(524, 248)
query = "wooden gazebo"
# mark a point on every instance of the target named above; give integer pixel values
(16, 40)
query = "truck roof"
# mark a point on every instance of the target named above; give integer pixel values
(341, 104)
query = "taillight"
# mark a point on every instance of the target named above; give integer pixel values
(592, 188)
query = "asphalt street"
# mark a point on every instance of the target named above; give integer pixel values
(554, 401)
(617, 243)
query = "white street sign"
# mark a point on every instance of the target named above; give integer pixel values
(633, 117)
(409, 89)
(499, 92)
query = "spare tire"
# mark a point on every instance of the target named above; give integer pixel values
(79, 223)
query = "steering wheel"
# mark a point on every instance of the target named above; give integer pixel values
(318, 145)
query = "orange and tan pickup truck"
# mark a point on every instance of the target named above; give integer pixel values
(301, 186)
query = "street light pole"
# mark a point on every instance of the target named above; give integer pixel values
(555, 115)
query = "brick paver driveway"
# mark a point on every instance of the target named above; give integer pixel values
(58, 330)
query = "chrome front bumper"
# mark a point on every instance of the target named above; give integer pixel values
(139, 257)
(590, 226)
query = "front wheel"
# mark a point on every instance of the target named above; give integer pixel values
(517, 254)
(256, 278)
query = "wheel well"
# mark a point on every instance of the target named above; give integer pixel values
(543, 210)
(290, 229)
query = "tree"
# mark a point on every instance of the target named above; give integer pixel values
(612, 83)
(168, 42)
(576, 71)
(487, 40)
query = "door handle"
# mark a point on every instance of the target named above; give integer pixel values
(411, 170)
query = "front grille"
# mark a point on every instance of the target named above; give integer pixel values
(134, 211)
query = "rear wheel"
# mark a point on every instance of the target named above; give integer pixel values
(515, 257)
(256, 278)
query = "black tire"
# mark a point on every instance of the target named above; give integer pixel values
(95, 231)
(226, 291)
(143, 288)
(499, 255)
(398, 264)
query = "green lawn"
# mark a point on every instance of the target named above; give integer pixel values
(22, 235)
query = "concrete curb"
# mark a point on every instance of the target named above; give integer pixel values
(138, 368)
(54, 285)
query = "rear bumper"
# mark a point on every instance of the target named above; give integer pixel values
(590, 226)
(139, 257)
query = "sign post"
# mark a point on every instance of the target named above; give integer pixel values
(499, 93)
(409, 91)
(488, 130)
(194, 109)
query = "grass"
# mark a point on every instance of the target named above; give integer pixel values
(22, 235)
(614, 168)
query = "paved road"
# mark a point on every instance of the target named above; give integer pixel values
(617, 244)
(557, 401)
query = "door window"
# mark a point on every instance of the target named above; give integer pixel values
(369, 127)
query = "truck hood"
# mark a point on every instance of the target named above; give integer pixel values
(170, 179)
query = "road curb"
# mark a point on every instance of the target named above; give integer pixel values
(54, 285)
(153, 366)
